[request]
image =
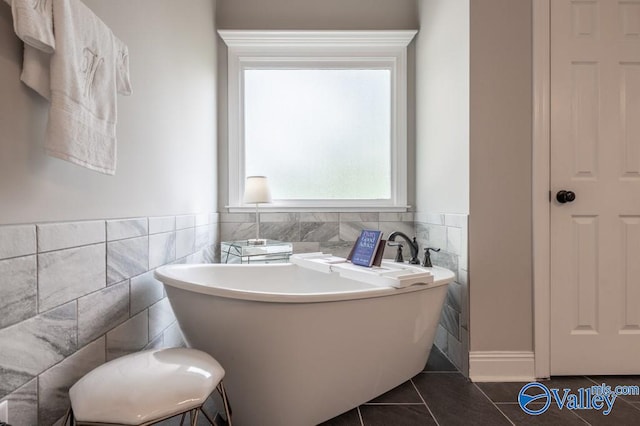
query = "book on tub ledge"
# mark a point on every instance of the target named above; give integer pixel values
(367, 250)
(389, 274)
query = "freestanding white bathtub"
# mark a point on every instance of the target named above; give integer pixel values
(300, 346)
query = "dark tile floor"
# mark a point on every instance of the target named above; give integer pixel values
(440, 395)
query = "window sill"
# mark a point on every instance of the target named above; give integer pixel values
(265, 208)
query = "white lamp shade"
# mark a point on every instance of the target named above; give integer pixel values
(256, 190)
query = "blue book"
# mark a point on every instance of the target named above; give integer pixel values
(364, 252)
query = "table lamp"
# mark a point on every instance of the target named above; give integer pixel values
(256, 191)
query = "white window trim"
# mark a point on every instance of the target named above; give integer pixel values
(384, 49)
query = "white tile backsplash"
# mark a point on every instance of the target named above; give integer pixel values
(101, 311)
(19, 240)
(54, 384)
(160, 317)
(145, 291)
(22, 405)
(202, 237)
(396, 217)
(62, 269)
(201, 220)
(449, 232)
(162, 224)
(237, 217)
(435, 235)
(319, 217)
(430, 218)
(454, 240)
(234, 231)
(185, 221)
(57, 236)
(405, 227)
(185, 242)
(278, 217)
(18, 286)
(360, 217)
(127, 258)
(30, 347)
(162, 249)
(172, 336)
(128, 337)
(350, 231)
(127, 228)
(455, 220)
(65, 275)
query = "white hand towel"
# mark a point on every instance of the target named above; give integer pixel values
(123, 84)
(33, 23)
(88, 69)
(35, 70)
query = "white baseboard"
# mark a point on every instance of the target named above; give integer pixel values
(501, 366)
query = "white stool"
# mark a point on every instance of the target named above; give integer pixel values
(147, 387)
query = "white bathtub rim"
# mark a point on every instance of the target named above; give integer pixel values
(168, 275)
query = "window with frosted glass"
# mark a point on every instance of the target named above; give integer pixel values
(319, 133)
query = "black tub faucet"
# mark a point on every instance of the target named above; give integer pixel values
(427, 256)
(398, 258)
(413, 246)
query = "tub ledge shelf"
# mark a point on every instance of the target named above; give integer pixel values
(388, 274)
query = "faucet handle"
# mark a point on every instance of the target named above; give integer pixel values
(427, 256)
(399, 258)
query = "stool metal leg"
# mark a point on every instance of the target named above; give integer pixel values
(207, 416)
(68, 417)
(225, 400)
(194, 416)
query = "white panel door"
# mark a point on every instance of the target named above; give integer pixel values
(595, 153)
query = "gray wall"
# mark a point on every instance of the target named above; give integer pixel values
(473, 103)
(166, 129)
(500, 236)
(317, 15)
(442, 107)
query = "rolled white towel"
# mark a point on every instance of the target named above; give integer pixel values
(33, 23)
(35, 70)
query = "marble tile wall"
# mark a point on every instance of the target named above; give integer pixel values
(77, 294)
(449, 233)
(328, 232)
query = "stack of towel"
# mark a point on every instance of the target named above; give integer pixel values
(80, 71)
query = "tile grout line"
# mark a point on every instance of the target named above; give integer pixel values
(424, 402)
(360, 416)
(574, 411)
(106, 284)
(580, 417)
(37, 377)
(494, 404)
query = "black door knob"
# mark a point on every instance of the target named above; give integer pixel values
(565, 196)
